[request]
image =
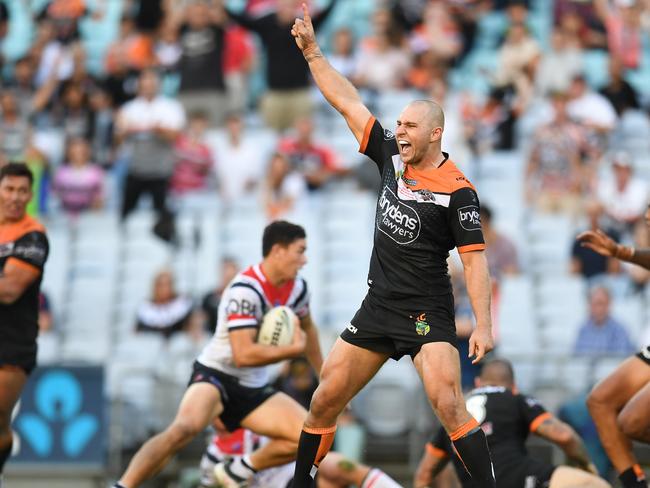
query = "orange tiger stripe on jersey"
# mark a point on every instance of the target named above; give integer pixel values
(11, 232)
(446, 178)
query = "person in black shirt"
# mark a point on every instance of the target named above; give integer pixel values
(507, 417)
(23, 252)
(287, 75)
(619, 403)
(426, 207)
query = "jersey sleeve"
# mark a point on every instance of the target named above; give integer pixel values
(465, 220)
(301, 304)
(31, 249)
(243, 308)
(378, 144)
(533, 413)
(440, 445)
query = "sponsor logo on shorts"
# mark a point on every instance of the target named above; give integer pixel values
(352, 328)
(421, 325)
(469, 217)
(395, 219)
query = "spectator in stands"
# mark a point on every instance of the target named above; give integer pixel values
(166, 312)
(439, 35)
(149, 126)
(591, 265)
(22, 83)
(193, 157)
(578, 20)
(501, 251)
(287, 74)
(316, 162)
(618, 91)
(384, 59)
(560, 65)
(517, 64)
(15, 132)
(283, 187)
(298, 380)
(132, 51)
(211, 300)
(601, 333)
(490, 125)
(202, 34)
(239, 62)
(79, 183)
(624, 198)
(343, 57)
(589, 108)
(622, 23)
(167, 49)
(239, 159)
(553, 175)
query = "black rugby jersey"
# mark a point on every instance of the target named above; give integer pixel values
(506, 418)
(24, 243)
(421, 216)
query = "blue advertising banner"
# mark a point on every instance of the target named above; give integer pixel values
(62, 417)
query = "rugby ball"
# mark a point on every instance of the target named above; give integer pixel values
(277, 327)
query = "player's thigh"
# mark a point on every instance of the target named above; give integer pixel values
(567, 477)
(12, 382)
(438, 365)
(346, 370)
(200, 404)
(279, 417)
(634, 417)
(622, 384)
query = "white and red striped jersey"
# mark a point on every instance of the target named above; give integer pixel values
(243, 305)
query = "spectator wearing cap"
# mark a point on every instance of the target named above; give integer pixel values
(624, 198)
(601, 334)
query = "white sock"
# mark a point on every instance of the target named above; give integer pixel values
(242, 467)
(376, 478)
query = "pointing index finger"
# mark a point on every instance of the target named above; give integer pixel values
(305, 12)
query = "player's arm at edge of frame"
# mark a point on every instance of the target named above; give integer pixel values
(16, 277)
(336, 89)
(312, 347)
(554, 430)
(246, 352)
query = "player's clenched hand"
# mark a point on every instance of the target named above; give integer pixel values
(598, 241)
(299, 340)
(303, 32)
(480, 343)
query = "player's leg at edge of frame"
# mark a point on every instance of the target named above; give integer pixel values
(567, 477)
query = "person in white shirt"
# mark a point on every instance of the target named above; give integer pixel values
(149, 126)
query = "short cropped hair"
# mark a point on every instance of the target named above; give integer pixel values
(16, 169)
(280, 232)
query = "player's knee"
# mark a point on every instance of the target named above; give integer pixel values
(631, 423)
(449, 406)
(325, 405)
(597, 399)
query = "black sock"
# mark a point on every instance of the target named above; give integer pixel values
(471, 446)
(4, 455)
(633, 477)
(314, 445)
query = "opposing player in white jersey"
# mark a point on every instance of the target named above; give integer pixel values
(230, 376)
(335, 471)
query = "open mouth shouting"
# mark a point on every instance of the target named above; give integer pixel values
(405, 148)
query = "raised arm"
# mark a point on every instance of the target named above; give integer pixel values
(601, 243)
(336, 89)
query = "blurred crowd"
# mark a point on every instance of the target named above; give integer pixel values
(176, 105)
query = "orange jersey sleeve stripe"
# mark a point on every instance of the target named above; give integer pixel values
(366, 134)
(18, 263)
(436, 452)
(539, 420)
(320, 430)
(463, 429)
(471, 247)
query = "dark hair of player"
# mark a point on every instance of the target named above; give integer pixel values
(280, 232)
(17, 169)
(499, 370)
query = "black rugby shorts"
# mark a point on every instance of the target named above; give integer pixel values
(238, 401)
(385, 327)
(22, 356)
